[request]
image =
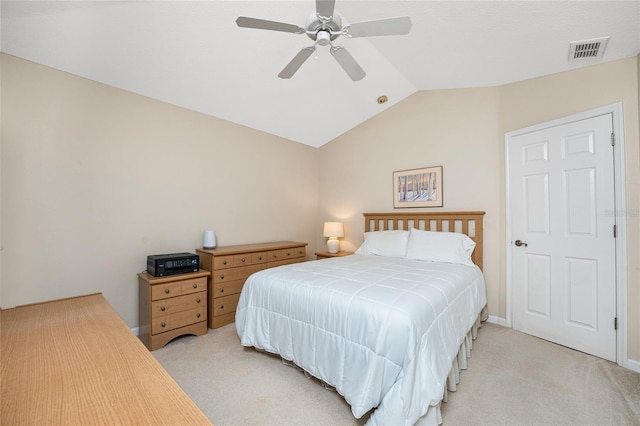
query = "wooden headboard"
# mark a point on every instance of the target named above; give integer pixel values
(468, 223)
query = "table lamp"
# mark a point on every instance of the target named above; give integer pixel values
(333, 230)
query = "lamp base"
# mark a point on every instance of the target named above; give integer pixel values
(333, 246)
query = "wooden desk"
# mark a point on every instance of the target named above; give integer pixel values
(75, 362)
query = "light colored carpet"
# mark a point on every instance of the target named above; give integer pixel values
(513, 379)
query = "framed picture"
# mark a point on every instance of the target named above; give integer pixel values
(418, 188)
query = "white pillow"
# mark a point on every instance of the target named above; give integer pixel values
(448, 247)
(384, 243)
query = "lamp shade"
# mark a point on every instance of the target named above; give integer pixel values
(333, 229)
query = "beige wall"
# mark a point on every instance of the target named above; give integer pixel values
(87, 171)
(463, 130)
(457, 129)
(94, 179)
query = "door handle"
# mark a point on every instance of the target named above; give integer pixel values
(519, 243)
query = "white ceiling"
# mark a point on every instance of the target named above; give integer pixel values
(192, 54)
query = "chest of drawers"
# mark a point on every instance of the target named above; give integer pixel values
(171, 306)
(230, 266)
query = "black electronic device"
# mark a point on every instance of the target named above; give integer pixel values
(161, 265)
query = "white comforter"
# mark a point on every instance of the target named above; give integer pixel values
(382, 331)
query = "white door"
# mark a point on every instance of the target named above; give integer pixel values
(562, 209)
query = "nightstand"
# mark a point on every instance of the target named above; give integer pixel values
(171, 306)
(326, 254)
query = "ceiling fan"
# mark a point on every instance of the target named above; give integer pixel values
(325, 25)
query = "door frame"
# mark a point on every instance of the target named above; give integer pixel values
(621, 223)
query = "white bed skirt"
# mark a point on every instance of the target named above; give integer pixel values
(434, 415)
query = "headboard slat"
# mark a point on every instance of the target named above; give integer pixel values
(470, 221)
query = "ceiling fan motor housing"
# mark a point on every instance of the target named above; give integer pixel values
(317, 29)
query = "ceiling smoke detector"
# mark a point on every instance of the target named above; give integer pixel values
(587, 49)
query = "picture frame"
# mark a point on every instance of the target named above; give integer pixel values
(418, 188)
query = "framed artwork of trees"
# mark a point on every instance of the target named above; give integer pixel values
(418, 188)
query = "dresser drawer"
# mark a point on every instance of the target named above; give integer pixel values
(290, 253)
(250, 258)
(226, 304)
(235, 260)
(163, 307)
(300, 252)
(222, 289)
(285, 262)
(178, 319)
(222, 262)
(235, 274)
(177, 288)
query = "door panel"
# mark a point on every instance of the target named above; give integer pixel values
(538, 285)
(561, 195)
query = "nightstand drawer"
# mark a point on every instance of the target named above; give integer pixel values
(194, 285)
(163, 307)
(164, 291)
(227, 288)
(178, 319)
(177, 288)
(234, 274)
(226, 304)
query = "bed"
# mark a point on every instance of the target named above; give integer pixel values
(388, 327)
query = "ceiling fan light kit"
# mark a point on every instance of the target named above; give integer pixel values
(323, 26)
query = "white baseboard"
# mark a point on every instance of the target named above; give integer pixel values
(497, 320)
(631, 365)
(136, 331)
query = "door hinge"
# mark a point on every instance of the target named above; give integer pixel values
(613, 139)
(615, 323)
(614, 231)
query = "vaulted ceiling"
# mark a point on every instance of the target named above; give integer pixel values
(192, 53)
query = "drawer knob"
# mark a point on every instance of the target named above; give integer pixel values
(260, 258)
(222, 277)
(198, 300)
(288, 254)
(222, 290)
(162, 308)
(198, 315)
(166, 290)
(243, 260)
(163, 324)
(224, 262)
(221, 306)
(195, 285)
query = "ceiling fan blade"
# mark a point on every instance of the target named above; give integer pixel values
(381, 27)
(347, 63)
(324, 8)
(296, 62)
(262, 24)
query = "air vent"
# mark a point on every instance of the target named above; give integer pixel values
(587, 49)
